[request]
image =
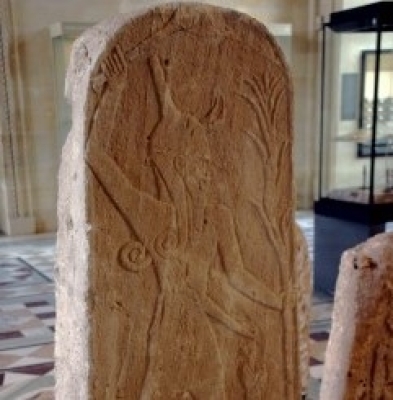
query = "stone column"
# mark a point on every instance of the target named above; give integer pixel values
(15, 192)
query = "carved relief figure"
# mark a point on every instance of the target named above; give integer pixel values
(180, 234)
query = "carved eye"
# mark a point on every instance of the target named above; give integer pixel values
(133, 257)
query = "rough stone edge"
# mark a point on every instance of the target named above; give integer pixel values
(72, 264)
(342, 331)
(99, 39)
(349, 302)
(72, 349)
(304, 288)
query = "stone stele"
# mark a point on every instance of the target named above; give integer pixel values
(176, 238)
(359, 358)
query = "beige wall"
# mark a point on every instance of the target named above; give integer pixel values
(36, 76)
(2, 180)
(32, 19)
(304, 70)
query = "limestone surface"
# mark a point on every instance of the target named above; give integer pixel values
(176, 240)
(304, 302)
(359, 358)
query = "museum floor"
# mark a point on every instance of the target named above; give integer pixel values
(27, 318)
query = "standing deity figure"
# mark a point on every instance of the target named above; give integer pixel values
(176, 186)
(194, 235)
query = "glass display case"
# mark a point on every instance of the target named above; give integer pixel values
(355, 185)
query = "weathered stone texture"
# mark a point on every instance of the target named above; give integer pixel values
(176, 238)
(304, 302)
(359, 358)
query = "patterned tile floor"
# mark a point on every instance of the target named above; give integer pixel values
(27, 318)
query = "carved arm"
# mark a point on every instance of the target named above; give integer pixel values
(218, 314)
(230, 254)
(139, 210)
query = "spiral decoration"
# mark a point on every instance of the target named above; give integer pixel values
(133, 257)
(166, 242)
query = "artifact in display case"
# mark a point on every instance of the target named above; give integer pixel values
(383, 192)
(355, 185)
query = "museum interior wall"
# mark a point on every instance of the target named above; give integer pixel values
(35, 38)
